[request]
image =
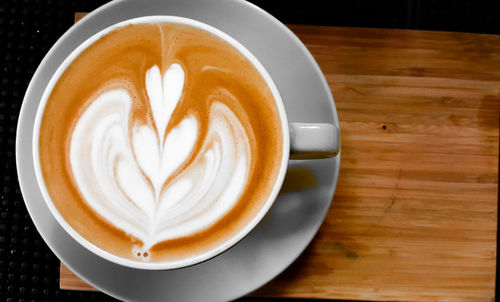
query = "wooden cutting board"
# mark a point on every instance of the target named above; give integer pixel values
(414, 216)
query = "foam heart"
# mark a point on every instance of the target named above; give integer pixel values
(124, 179)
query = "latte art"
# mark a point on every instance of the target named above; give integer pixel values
(124, 178)
(160, 142)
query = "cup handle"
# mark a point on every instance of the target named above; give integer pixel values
(313, 140)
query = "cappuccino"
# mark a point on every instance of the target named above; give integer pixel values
(160, 142)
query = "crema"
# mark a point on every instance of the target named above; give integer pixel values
(160, 142)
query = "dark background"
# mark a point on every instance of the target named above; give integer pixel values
(29, 271)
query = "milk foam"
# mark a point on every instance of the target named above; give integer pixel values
(123, 174)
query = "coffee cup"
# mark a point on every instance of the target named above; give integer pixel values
(161, 141)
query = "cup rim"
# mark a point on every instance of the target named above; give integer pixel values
(186, 262)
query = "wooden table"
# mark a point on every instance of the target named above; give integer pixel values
(414, 216)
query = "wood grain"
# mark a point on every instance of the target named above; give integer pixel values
(414, 216)
(68, 280)
(79, 16)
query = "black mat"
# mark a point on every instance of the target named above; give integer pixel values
(28, 28)
(29, 271)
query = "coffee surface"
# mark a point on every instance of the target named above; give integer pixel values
(160, 142)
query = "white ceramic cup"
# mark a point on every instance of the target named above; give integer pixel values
(300, 141)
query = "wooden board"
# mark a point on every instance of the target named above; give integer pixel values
(414, 217)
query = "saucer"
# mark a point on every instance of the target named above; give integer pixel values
(294, 218)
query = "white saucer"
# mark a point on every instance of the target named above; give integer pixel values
(295, 217)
